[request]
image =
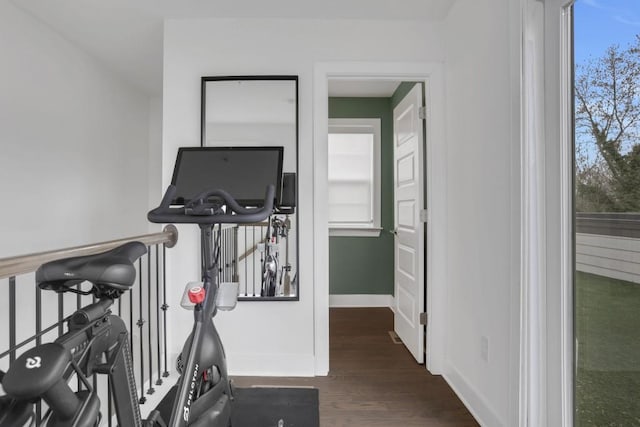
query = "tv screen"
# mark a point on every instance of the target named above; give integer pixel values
(243, 172)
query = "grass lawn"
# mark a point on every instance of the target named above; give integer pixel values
(608, 346)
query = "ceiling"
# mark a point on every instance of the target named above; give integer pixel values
(126, 35)
(369, 88)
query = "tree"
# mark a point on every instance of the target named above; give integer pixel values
(607, 92)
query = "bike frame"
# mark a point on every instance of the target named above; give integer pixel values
(204, 349)
(203, 335)
(92, 332)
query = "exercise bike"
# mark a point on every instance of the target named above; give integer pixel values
(97, 340)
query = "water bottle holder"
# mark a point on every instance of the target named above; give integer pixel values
(226, 298)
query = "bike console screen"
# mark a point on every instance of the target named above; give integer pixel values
(243, 172)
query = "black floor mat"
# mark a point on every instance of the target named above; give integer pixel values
(275, 407)
(265, 407)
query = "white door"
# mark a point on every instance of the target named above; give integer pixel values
(409, 229)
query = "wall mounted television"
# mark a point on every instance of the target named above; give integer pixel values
(243, 172)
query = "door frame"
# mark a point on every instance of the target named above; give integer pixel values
(546, 329)
(432, 74)
(558, 262)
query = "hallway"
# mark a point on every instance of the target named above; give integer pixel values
(374, 382)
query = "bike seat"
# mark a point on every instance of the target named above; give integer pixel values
(113, 269)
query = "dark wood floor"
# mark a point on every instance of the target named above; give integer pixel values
(374, 382)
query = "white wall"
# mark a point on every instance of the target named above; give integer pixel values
(269, 338)
(73, 159)
(75, 144)
(154, 157)
(74, 140)
(483, 216)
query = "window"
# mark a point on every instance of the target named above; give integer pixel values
(606, 202)
(354, 177)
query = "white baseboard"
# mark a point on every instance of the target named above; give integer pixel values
(473, 401)
(364, 300)
(271, 365)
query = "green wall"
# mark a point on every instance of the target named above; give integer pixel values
(364, 265)
(401, 91)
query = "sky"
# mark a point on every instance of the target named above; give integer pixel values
(600, 23)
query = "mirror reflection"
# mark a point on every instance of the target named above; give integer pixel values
(258, 111)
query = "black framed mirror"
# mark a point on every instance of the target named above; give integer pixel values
(258, 111)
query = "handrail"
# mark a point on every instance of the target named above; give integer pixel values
(14, 266)
(255, 247)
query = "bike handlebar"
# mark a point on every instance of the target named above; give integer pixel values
(199, 210)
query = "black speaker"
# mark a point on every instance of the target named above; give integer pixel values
(288, 196)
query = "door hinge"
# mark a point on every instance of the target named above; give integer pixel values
(422, 113)
(423, 318)
(424, 215)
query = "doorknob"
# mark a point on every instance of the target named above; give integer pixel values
(394, 231)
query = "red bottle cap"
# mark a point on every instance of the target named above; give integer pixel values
(196, 294)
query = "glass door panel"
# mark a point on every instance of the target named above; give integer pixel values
(607, 213)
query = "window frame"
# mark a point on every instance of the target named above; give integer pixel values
(546, 369)
(362, 126)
